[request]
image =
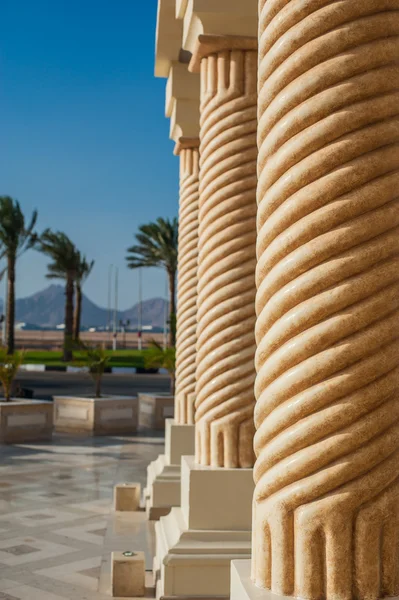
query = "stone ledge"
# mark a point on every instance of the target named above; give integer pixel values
(242, 587)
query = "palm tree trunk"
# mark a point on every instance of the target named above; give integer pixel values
(10, 304)
(172, 383)
(172, 309)
(98, 385)
(78, 313)
(68, 331)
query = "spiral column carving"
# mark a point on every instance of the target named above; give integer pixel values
(226, 272)
(187, 285)
(326, 505)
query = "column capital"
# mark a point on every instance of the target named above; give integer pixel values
(186, 144)
(212, 44)
(220, 22)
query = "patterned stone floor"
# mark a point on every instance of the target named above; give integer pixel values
(57, 529)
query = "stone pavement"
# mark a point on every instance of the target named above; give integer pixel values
(57, 528)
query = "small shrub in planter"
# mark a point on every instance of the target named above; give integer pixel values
(96, 359)
(22, 419)
(9, 366)
(96, 414)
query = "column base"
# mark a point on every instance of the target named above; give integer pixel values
(242, 587)
(196, 543)
(164, 474)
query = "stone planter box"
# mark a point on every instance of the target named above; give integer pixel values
(25, 421)
(155, 409)
(108, 415)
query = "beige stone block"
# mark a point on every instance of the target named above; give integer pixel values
(216, 498)
(154, 409)
(25, 421)
(127, 496)
(179, 441)
(128, 574)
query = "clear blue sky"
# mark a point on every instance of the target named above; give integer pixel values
(83, 136)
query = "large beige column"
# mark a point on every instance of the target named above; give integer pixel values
(196, 543)
(182, 109)
(227, 234)
(188, 150)
(326, 504)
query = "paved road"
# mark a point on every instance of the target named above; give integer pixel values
(48, 384)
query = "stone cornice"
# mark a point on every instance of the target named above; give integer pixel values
(169, 33)
(182, 102)
(216, 17)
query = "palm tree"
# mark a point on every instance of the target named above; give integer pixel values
(65, 264)
(157, 247)
(84, 270)
(15, 238)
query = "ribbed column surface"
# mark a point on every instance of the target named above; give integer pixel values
(187, 286)
(327, 413)
(226, 274)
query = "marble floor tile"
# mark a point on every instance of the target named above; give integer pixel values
(57, 526)
(79, 573)
(26, 592)
(18, 551)
(91, 532)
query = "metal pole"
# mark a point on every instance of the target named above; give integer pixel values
(4, 330)
(165, 316)
(140, 312)
(115, 309)
(109, 309)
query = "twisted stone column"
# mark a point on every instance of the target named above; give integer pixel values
(326, 522)
(187, 282)
(226, 272)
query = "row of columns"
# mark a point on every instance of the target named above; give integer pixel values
(288, 209)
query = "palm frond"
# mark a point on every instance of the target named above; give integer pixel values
(15, 236)
(156, 246)
(62, 251)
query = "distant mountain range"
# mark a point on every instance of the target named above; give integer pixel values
(46, 309)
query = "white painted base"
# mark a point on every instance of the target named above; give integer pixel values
(196, 543)
(216, 498)
(242, 587)
(179, 441)
(164, 474)
(163, 488)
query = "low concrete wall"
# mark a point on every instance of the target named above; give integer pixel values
(107, 415)
(25, 421)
